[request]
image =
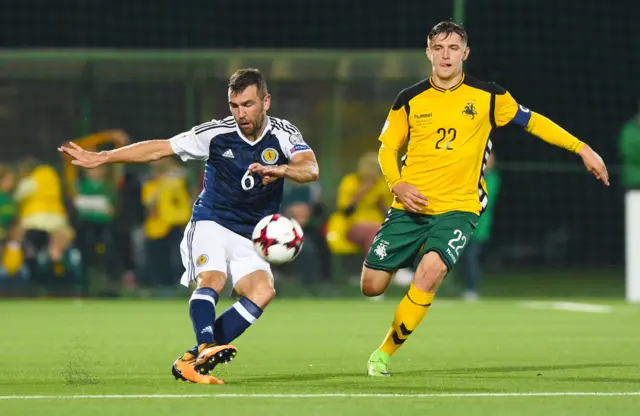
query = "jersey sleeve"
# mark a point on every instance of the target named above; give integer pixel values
(295, 144)
(508, 111)
(291, 140)
(393, 135)
(194, 144)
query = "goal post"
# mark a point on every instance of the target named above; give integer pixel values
(632, 231)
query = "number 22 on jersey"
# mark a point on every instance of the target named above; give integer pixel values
(446, 134)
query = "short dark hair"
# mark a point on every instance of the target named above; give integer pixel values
(243, 78)
(448, 27)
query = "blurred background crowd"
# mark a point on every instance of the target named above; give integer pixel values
(100, 231)
(108, 73)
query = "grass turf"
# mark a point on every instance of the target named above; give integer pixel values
(66, 347)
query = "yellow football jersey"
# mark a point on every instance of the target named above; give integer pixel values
(368, 209)
(448, 140)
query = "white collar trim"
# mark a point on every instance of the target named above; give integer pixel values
(264, 133)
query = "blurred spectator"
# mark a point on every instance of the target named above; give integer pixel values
(630, 152)
(8, 209)
(41, 206)
(166, 198)
(103, 140)
(13, 270)
(472, 256)
(59, 265)
(95, 204)
(128, 226)
(302, 203)
(363, 200)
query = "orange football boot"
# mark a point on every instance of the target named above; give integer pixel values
(184, 369)
(210, 355)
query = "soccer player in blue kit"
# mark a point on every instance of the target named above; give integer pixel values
(247, 158)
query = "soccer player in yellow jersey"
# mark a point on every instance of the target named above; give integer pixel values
(440, 192)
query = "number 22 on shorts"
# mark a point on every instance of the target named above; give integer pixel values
(458, 242)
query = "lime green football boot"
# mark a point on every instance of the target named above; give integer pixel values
(377, 365)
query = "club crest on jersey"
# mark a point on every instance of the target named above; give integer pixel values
(202, 260)
(470, 110)
(270, 156)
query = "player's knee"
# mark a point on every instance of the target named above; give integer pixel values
(430, 273)
(214, 280)
(257, 287)
(266, 293)
(261, 294)
(374, 282)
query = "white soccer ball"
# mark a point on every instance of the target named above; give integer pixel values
(277, 239)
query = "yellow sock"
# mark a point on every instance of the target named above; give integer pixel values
(410, 312)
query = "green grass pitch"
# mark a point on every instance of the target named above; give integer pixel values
(307, 357)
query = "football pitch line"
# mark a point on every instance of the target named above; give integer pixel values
(320, 395)
(569, 306)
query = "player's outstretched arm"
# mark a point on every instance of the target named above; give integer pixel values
(141, 152)
(550, 132)
(302, 168)
(507, 110)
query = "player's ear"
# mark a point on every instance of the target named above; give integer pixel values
(467, 51)
(429, 54)
(267, 102)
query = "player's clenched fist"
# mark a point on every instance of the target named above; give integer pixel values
(269, 173)
(410, 197)
(594, 164)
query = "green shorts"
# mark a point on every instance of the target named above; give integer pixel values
(405, 237)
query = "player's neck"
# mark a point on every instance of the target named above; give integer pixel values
(253, 137)
(258, 133)
(445, 84)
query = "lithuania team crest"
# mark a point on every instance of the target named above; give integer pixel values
(470, 110)
(269, 156)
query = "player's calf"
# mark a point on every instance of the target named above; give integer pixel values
(374, 282)
(202, 310)
(256, 291)
(410, 312)
(257, 287)
(202, 305)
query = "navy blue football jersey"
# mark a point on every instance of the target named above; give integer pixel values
(231, 195)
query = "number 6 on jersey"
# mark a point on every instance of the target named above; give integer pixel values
(248, 181)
